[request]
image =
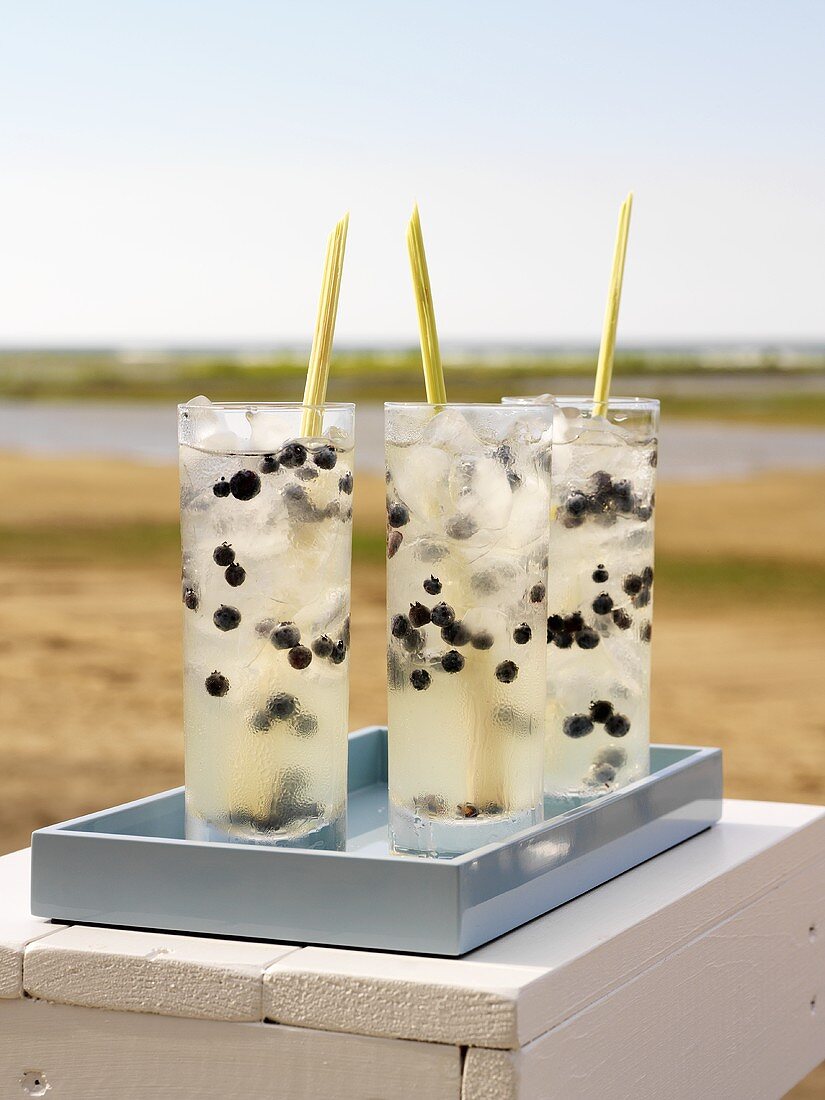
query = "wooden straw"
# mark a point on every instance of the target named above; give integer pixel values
(430, 354)
(604, 371)
(315, 390)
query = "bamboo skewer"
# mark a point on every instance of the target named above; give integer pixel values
(315, 390)
(430, 353)
(604, 370)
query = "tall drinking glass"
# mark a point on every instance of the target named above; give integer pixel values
(600, 597)
(467, 503)
(266, 535)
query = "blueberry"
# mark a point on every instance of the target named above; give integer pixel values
(623, 496)
(325, 458)
(506, 672)
(642, 599)
(537, 593)
(190, 599)
(221, 488)
(226, 618)
(306, 473)
(576, 504)
(555, 624)
(235, 575)
(269, 465)
(286, 635)
(332, 510)
(305, 725)
(602, 773)
(621, 618)
(577, 725)
(573, 521)
(461, 527)
(644, 512)
(419, 614)
(482, 640)
(399, 626)
(431, 804)
(617, 725)
(244, 485)
(632, 584)
(281, 706)
(522, 634)
(563, 641)
(300, 656)
(442, 615)
(600, 574)
(467, 809)
(432, 586)
(261, 722)
(646, 633)
(339, 653)
(612, 755)
(485, 582)
(296, 495)
(217, 684)
(601, 482)
(420, 679)
(601, 710)
(293, 455)
(573, 623)
(323, 646)
(413, 640)
(398, 515)
(587, 639)
(265, 627)
(452, 661)
(603, 604)
(345, 483)
(394, 540)
(223, 554)
(456, 634)
(647, 576)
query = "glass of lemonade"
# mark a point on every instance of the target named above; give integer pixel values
(266, 528)
(467, 544)
(600, 597)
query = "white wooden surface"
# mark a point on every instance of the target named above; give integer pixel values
(699, 974)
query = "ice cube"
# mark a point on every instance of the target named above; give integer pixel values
(420, 476)
(269, 429)
(450, 430)
(481, 490)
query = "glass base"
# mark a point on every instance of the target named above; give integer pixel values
(440, 838)
(330, 837)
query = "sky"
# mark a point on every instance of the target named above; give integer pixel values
(169, 171)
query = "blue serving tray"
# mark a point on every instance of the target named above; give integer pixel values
(131, 866)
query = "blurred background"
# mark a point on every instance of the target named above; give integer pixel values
(169, 176)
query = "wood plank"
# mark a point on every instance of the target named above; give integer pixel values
(90, 1054)
(541, 974)
(199, 977)
(738, 1013)
(17, 926)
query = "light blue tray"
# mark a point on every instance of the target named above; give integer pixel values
(130, 866)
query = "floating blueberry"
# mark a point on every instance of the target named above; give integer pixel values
(339, 653)
(419, 614)
(269, 465)
(587, 639)
(456, 634)
(265, 627)
(394, 540)
(601, 482)
(632, 584)
(420, 679)
(646, 633)
(522, 634)
(577, 725)
(221, 488)
(563, 641)
(399, 626)
(300, 656)
(623, 496)
(332, 510)
(282, 706)
(603, 604)
(537, 593)
(190, 599)
(555, 624)
(323, 646)
(485, 582)
(600, 574)
(398, 515)
(506, 672)
(325, 458)
(621, 618)
(432, 586)
(442, 615)
(601, 710)
(295, 494)
(482, 640)
(617, 725)
(306, 473)
(293, 455)
(452, 661)
(644, 512)
(286, 635)
(345, 483)
(260, 722)
(305, 725)
(431, 804)
(235, 575)
(244, 485)
(223, 554)
(467, 809)
(226, 618)
(461, 527)
(647, 576)
(573, 623)
(602, 773)
(642, 599)
(413, 640)
(576, 504)
(217, 684)
(613, 755)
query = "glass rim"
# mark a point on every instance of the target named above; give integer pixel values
(334, 406)
(462, 404)
(586, 402)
